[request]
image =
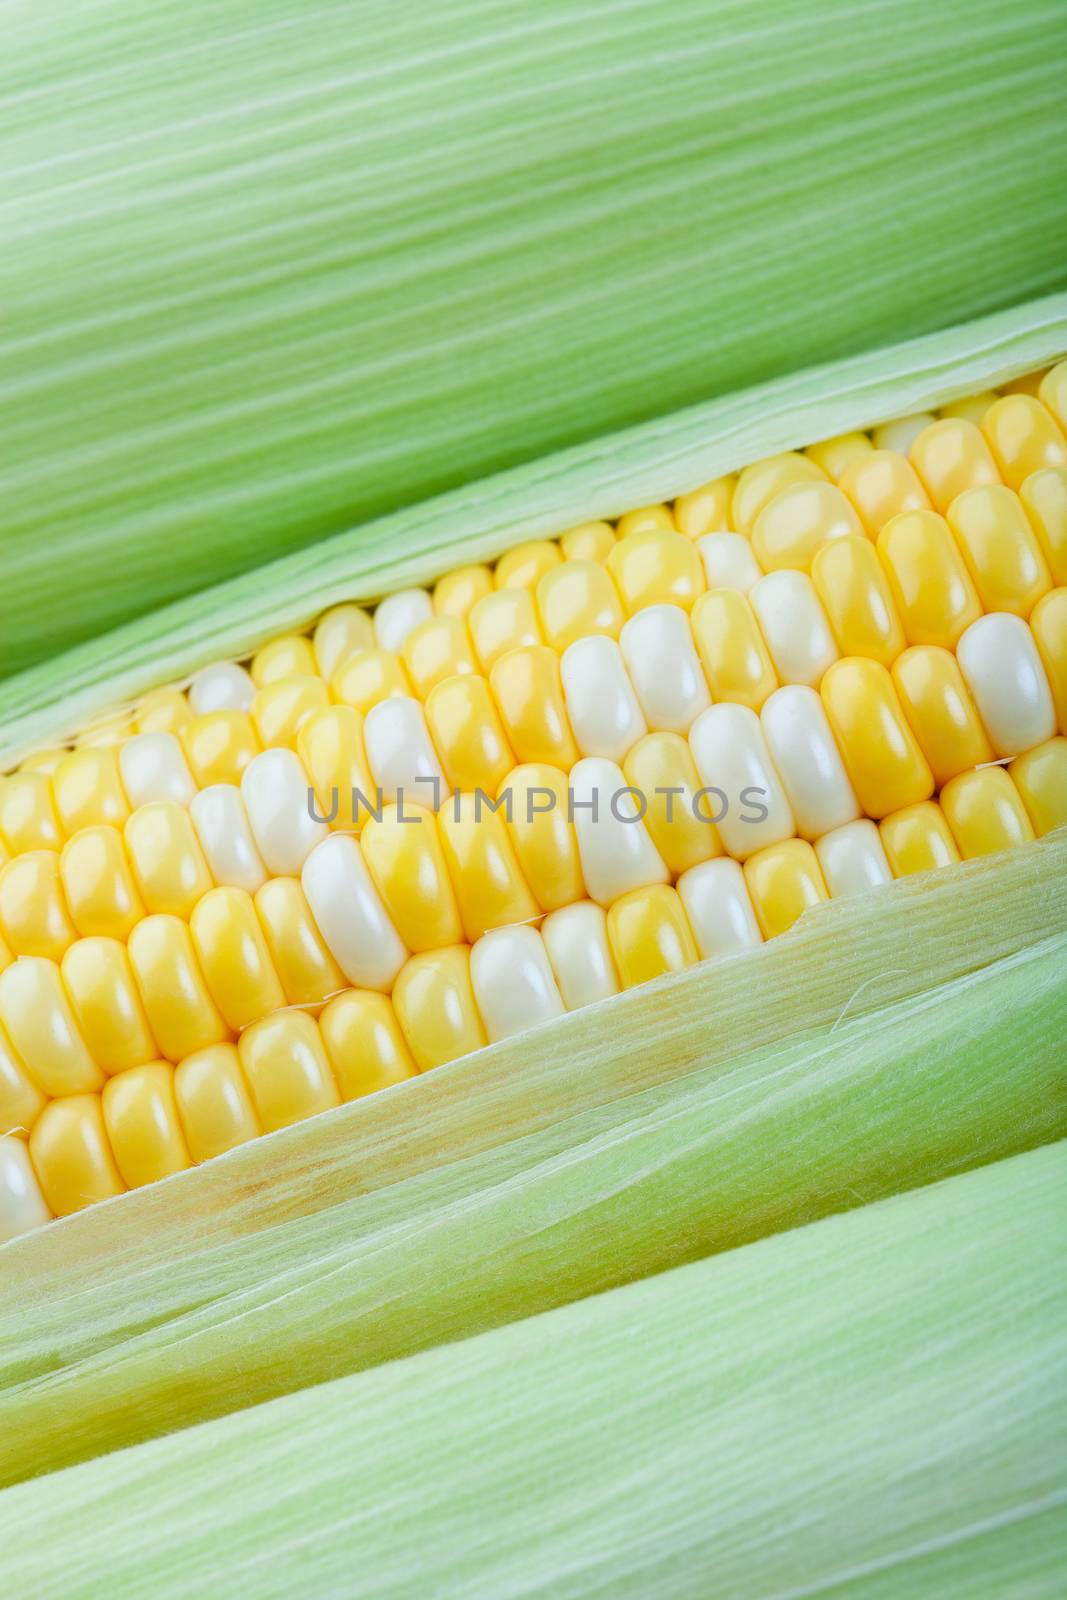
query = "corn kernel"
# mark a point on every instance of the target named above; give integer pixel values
(601, 703)
(1053, 393)
(434, 1004)
(901, 433)
(985, 813)
(28, 818)
(513, 983)
(458, 591)
(225, 833)
(181, 1013)
(106, 733)
(836, 456)
(576, 941)
(102, 990)
(234, 957)
(940, 711)
(719, 908)
(544, 839)
(339, 634)
(289, 656)
(784, 880)
(795, 525)
(168, 863)
(214, 1102)
(614, 846)
(524, 566)
(858, 600)
(72, 1156)
(592, 541)
(502, 622)
(468, 734)
(729, 562)
(219, 745)
(928, 578)
(528, 692)
(330, 745)
(950, 457)
(1040, 776)
(98, 884)
(650, 935)
(918, 839)
(405, 859)
(365, 1043)
(657, 566)
(763, 481)
(1002, 668)
(661, 768)
(349, 914)
(88, 791)
(221, 686)
(645, 519)
(44, 760)
(806, 758)
(705, 510)
(398, 615)
(21, 1101)
(1044, 497)
(852, 859)
(1048, 624)
(794, 625)
(882, 485)
(286, 1067)
(436, 650)
(34, 920)
(481, 863)
(1000, 549)
(280, 709)
(971, 407)
(735, 658)
(664, 668)
(35, 1010)
(1023, 437)
(22, 1204)
(162, 711)
(143, 1127)
(153, 767)
(299, 953)
(887, 768)
(368, 677)
(731, 756)
(578, 598)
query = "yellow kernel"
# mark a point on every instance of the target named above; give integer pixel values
(290, 656)
(985, 812)
(434, 1004)
(365, 1043)
(784, 880)
(522, 567)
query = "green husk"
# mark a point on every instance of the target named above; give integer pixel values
(656, 461)
(271, 272)
(874, 1406)
(883, 1044)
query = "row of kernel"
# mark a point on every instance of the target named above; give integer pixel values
(997, 654)
(467, 745)
(155, 1119)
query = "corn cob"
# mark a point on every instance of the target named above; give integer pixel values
(378, 846)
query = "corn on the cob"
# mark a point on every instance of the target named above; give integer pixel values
(376, 847)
